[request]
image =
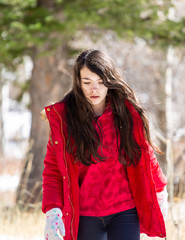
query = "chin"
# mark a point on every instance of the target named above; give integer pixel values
(95, 102)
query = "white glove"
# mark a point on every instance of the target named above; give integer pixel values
(162, 198)
(54, 224)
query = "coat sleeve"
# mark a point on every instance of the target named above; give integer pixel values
(52, 181)
(157, 173)
(158, 176)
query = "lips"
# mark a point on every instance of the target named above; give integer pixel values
(94, 97)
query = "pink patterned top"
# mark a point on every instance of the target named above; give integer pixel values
(104, 186)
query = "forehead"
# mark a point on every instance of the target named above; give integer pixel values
(86, 73)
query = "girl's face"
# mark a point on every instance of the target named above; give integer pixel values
(93, 89)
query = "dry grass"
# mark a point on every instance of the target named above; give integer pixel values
(11, 167)
(15, 224)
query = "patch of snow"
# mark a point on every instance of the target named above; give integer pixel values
(16, 126)
(8, 182)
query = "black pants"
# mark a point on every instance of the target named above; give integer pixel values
(120, 226)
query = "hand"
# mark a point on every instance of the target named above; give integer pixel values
(54, 224)
(162, 198)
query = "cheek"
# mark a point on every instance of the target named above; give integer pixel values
(85, 90)
(105, 90)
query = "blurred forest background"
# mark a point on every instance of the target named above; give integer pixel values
(39, 41)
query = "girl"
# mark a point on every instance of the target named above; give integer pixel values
(101, 178)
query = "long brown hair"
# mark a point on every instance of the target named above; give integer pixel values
(83, 140)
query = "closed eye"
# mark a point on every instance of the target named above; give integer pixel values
(86, 82)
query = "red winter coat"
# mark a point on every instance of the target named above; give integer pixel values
(60, 177)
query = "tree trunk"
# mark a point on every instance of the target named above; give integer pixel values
(50, 80)
(161, 119)
(169, 123)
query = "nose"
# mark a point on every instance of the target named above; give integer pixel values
(94, 87)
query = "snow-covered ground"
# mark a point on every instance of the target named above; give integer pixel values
(16, 117)
(16, 128)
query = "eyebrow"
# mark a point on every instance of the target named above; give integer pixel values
(85, 78)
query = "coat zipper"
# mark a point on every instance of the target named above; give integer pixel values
(67, 174)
